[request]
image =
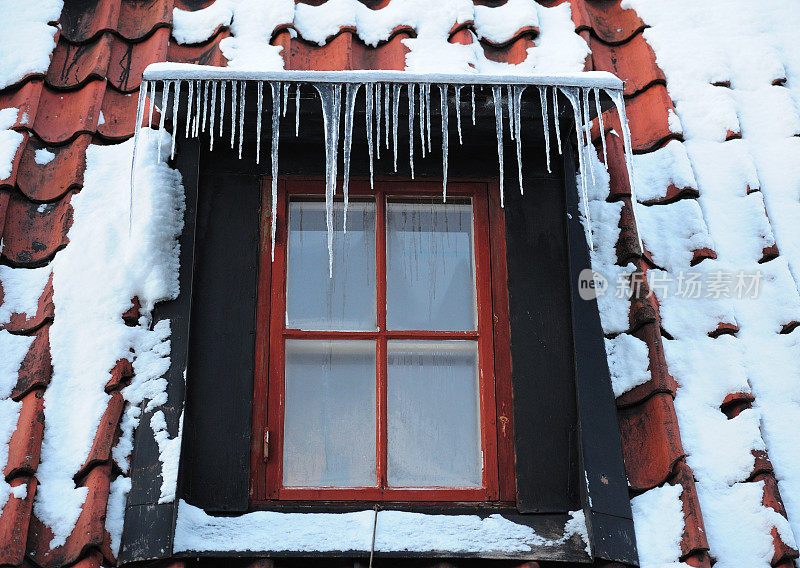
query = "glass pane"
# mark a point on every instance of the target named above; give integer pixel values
(329, 422)
(433, 414)
(313, 299)
(430, 281)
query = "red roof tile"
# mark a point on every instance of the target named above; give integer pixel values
(26, 442)
(33, 232)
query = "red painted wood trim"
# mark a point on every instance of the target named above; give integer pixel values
(502, 347)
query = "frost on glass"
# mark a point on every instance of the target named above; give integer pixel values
(330, 417)
(313, 300)
(433, 414)
(430, 265)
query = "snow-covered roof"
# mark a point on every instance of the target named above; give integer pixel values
(706, 387)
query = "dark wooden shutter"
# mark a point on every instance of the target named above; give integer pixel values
(541, 346)
(219, 399)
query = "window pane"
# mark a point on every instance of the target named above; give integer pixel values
(433, 414)
(430, 266)
(329, 424)
(313, 299)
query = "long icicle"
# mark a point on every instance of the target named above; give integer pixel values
(422, 119)
(285, 98)
(276, 122)
(198, 104)
(222, 86)
(152, 102)
(386, 112)
(297, 109)
(146, 86)
(599, 110)
(259, 110)
(369, 115)
(189, 101)
(545, 124)
(411, 95)
(472, 98)
(574, 98)
(457, 89)
(234, 86)
(331, 95)
(445, 128)
(497, 94)
(619, 102)
(242, 100)
(378, 113)
(555, 118)
(395, 117)
(212, 118)
(164, 99)
(511, 114)
(587, 128)
(351, 91)
(518, 90)
(175, 104)
(428, 114)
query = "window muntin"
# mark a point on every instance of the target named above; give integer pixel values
(455, 457)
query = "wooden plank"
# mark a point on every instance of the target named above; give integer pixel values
(147, 529)
(222, 350)
(607, 505)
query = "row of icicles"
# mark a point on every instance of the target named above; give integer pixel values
(382, 115)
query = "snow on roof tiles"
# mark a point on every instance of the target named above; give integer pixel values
(95, 71)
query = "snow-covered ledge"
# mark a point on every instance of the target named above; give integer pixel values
(395, 533)
(382, 99)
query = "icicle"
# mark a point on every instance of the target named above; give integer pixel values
(297, 109)
(497, 94)
(276, 119)
(428, 114)
(211, 124)
(555, 118)
(331, 95)
(445, 128)
(196, 123)
(458, 111)
(165, 85)
(370, 99)
(546, 123)
(395, 116)
(189, 101)
(574, 99)
(349, 106)
(600, 121)
(241, 117)
(259, 108)
(378, 114)
(175, 103)
(285, 98)
(511, 114)
(411, 95)
(472, 96)
(206, 85)
(234, 85)
(517, 98)
(136, 131)
(422, 119)
(387, 117)
(619, 102)
(587, 129)
(223, 86)
(152, 100)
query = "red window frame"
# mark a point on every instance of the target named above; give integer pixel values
(492, 336)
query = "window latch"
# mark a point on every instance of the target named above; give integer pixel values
(266, 444)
